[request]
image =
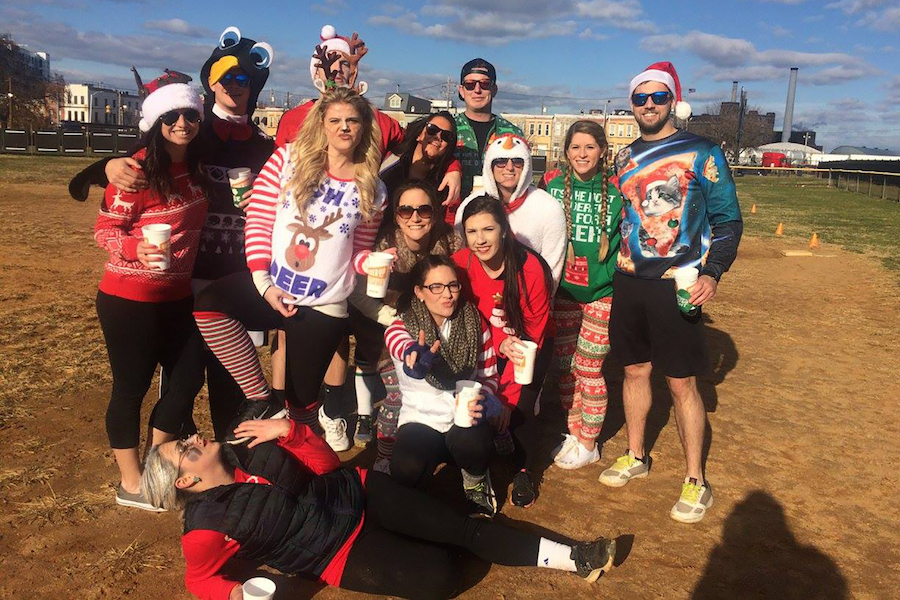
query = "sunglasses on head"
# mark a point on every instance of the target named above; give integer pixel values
(484, 84)
(239, 79)
(405, 212)
(659, 98)
(502, 162)
(171, 117)
(433, 130)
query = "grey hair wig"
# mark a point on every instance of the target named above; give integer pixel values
(158, 482)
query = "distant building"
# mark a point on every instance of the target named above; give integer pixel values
(99, 104)
(546, 133)
(439, 105)
(268, 117)
(807, 138)
(37, 62)
(756, 129)
(864, 150)
(621, 130)
(406, 108)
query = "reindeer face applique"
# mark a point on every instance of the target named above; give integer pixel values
(301, 252)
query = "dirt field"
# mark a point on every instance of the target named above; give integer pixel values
(802, 399)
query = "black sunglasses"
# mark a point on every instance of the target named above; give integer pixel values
(659, 98)
(484, 84)
(171, 117)
(426, 211)
(438, 288)
(433, 130)
(240, 79)
(502, 162)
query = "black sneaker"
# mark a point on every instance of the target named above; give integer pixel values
(249, 410)
(364, 431)
(481, 499)
(592, 559)
(524, 491)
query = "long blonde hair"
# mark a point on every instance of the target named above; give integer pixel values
(309, 152)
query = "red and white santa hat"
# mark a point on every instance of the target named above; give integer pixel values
(166, 97)
(332, 42)
(664, 73)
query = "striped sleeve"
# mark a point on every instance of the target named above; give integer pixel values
(397, 340)
(118, 212)
(261, 212)
(365, 232)
(487, 360)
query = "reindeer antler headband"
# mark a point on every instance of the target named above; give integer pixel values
(332, 49)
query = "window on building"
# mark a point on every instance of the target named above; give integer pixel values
(105, 102)
(621, 130)
(612, 130)
(68, 115)
(114, 105)
(531, 129)
(630, 130)
(82, 117)
(396, 101)
(82, 100)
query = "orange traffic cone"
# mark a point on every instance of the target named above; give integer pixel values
(780, 229)
(814, 241)
(753, 210)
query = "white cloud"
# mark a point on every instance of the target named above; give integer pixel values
(588, 34)
(852, 7)
(330, 7)
(886, 20)
(179, 27)
(776, 30)
(716, 49)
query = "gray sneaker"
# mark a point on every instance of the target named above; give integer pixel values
(695, 499)
(625, 469)
(137, 500)
(592, 559)
(481, 499)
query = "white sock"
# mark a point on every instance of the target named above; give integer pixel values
(553, 555)
(364, 383)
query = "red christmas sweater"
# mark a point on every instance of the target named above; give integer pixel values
(487, 294)
(118, 231)
(206, 552)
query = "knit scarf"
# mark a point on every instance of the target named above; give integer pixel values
(458, 357)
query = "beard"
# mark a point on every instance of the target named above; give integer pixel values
(656, 128)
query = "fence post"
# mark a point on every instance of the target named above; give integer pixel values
(869, 192)
(829, 177)
(857, 183)
(883, 185)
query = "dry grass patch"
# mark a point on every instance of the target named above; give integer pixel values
(64, 508)
(131, 560)
(28, 476)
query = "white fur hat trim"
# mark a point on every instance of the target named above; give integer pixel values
(169, 97)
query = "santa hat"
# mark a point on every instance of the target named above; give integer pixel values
(331, 42)
(507, 146)
(664, 73)
(166, 97)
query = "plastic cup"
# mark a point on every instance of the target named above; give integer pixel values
(685, 278)
(258, 588)
(466, 391)
(378, 269)
(241, 180)
(523, 373)
(159, 235)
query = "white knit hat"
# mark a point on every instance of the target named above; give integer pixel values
(168, 97)
(507, 146)
(331, 42)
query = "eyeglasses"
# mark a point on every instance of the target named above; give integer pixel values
(433, 130)
(185, 447)
(484, 84)
(405, 212)
(518, 163)
(239, 79)
(171, 117)
(438, 288)
(659, 98)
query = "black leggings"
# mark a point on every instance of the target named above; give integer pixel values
(139, 336)
(419, 449)
(401, 550)
(523, 422)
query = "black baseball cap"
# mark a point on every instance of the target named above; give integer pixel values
(478, 65)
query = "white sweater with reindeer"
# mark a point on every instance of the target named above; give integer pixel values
(315, 257)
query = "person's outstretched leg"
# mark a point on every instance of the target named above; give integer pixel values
(387, 418)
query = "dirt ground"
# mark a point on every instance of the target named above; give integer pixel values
(802, 399)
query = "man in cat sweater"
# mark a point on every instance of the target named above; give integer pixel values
(681, 210)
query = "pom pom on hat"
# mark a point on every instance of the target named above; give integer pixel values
(328, 32)
(664, 73)
(168, 97)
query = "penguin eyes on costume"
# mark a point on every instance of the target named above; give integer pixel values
(262, 54)
(229, 37)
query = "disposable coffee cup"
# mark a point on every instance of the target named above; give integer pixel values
(477, 183)
(159, 235)
(685, 278)
(524, 369)
(241, 180)
(466, 391)
(378, 270)
(258, 588)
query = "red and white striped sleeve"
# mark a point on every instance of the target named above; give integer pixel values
(261, 212)
(118, 212)
(365, 232)
(487, 361)
(397, 339)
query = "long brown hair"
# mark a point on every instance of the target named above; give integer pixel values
(595, 130)
(157, 162)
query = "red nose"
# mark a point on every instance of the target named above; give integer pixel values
(301, 251)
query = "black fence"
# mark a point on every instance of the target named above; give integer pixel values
(87, 141)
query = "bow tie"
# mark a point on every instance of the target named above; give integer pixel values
(226, 130)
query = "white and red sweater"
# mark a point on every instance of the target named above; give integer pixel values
(118, 231)
(424, 403)
(316, 258)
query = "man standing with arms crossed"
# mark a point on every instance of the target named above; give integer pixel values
(681, 210)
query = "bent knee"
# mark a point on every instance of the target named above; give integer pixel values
(638, 371)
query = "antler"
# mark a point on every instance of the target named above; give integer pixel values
(330, 219)
(357, 51)
(325, 61)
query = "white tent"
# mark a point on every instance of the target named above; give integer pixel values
(796, 153)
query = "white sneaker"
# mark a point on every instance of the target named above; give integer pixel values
(382, 465)
(564, 447)
(578, 457)
(335, 431)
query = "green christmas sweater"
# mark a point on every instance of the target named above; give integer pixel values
(471, 160)
(587, 278)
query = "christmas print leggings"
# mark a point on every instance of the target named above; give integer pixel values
(582, 343)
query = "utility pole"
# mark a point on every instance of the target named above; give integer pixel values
(448, 93)
(740, 127)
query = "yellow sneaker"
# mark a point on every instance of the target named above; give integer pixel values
(694, 500)
(625, 469)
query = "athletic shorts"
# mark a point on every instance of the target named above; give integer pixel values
(645, 325)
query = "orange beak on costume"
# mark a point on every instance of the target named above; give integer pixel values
(220, 67)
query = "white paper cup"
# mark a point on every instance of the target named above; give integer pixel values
(258, 588)
(685, 278)
(378, 270)
(466, 391)
(477, 183)
(159, 235)
(524, 370)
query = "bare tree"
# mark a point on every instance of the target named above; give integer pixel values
(33, 96)
(722, 122)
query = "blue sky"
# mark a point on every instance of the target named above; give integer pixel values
(570, 54)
